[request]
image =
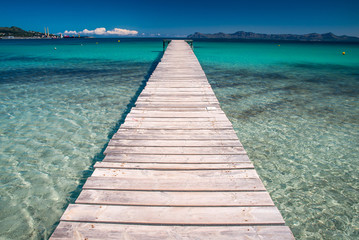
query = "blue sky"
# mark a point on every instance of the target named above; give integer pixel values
(183, 17)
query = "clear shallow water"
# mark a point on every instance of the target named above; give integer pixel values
(295, 108)
(58, 109)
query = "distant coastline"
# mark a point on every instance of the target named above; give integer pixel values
(18, 33)
(241, 35)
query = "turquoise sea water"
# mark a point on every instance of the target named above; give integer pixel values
(295, 108)
(58, 109)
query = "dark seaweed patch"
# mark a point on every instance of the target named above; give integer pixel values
(320, 66)
(260, 109)
(120, 72)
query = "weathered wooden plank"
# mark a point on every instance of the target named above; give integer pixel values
(139, 136)
(179, 94)
(169, 143)
(174, 99)
(176, 105)
(176, 150)
(102, 231)
(161, 88)
(147, 198)
(169, 89)
(192, 132)
(183, 85)
(166, 70)
(180, 69)
(184, 175)
(189, 63)
(177, 70)
(180, 86)
(173, 74)
(180, 120)
(173, 184)
(178, 79)
(176, 93)
(176, 125)
(177, 98)
(154, 119)
(171, 109)
(173, 215)
(182, 91)
(163, 100)
(160, 158)
(156, 114)
(177, 85)
(211, 112)
(182, 124)
(168, 75)
(175, 166)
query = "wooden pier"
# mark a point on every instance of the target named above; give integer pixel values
(174, 170)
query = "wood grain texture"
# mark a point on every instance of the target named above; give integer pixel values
(162, 198)
(101, 231)
(175, 166)
(184, 175)
(176, 158)
(175, 143)
(173, 215)
(172, 184)
(176, 150)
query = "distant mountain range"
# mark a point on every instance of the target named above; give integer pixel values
(311, 37)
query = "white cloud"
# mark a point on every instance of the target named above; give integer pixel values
(97, 31)
(70, 32)
(119, 31)
(103, 31)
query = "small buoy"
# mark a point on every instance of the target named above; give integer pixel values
(55, 48)
(343, 53)
(119, 41)
(96, 42)
(278, 45)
